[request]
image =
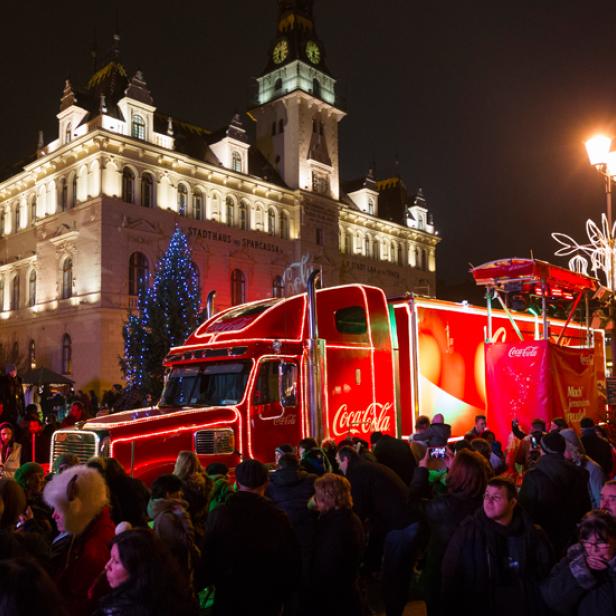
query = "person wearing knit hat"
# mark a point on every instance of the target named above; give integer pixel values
(553, 442)
(25, 474)
(575, 453)
(555, 492)
(31, 477)
(80, 501)
(246, 539)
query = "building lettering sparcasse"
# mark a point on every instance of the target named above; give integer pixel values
(84, 222)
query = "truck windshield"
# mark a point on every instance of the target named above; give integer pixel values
(216, 384)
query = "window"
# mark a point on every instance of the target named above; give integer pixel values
(63, 196)
(137, 129)
(197, 209)
(32, 354)
(278, 84)
(285, 231)
(138, 273)
(276, 386)
(1, 294)
(243, 216)
(128, 185)
(74, 191)
(67, 278)
(32, 288)
(32, 211)
(259, 219)
(316, 87)
(15, 292)
(2, 221)
(67, 355)
(147, 190)
(271, 221)
(278, 287)
(351, 320)
(182, 199)
(236, 162)
(400, 262)
(238, 287)
(230, 207)
(370, 206)
(349, 243)
(367, 247)
(68, 133)
(319, 237)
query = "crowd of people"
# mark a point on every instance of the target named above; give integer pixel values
(347, 528)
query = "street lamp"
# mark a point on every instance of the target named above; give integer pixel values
(598, 254)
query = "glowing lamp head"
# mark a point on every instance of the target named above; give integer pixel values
(611, 164)
(598, 148)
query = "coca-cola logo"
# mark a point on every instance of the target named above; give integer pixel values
(530, 351)
(375, 418)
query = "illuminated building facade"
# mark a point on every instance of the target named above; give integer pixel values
(85, 221)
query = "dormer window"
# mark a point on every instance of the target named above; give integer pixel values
(236, 162)
(68, 133)
(137, 129)
(371, 206)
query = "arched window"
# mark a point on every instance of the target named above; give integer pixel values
(215, 212)
(68, 133)
(259, 219)
(32, 210)
(400, 254)
(147, 190)
(236, 162)
(285, 226)
(271, 221)
(137, 129)
(197, 209)
(138, 273)
(67, 354)
(63, 196)
(393, 251)
(1, 294)
(316, 87)
(15, 292)
(349, 243)
(128, 185)
(182, 199)
(238, 287)
(32, 288)
(230, 205)
(278, 287)
(370, 206)
(74, 191)
(67, 278)
(2, 222)
(17, 216)
(278, 84)
(32, 354)
(243, 216)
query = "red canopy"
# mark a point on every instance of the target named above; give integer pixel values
(531, 272)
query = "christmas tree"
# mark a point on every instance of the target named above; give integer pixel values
(168, 310)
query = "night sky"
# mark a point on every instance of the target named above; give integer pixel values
(485, 108)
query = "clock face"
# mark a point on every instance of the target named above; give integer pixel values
(281, 51)
(313, 52)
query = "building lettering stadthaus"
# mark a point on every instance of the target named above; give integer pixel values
(87, 218)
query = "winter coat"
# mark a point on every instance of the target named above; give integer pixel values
(290, 489)
(492, 569)
(436, 435)
(122, 601)
(574, 588)
(12, 398)
(596, 479)
(555, 495)
(197, 491)
(338, 549)
(397, 455)
(12, 461)
(77, 568)
(129, 499)
(175, 529)
(598, 449)
(251, 556)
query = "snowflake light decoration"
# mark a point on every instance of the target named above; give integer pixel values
(598, 255)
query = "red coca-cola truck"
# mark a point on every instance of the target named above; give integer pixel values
(331, 362)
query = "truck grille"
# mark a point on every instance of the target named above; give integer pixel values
(210, 442)
(84, 445)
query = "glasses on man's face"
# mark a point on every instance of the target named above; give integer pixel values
(595, 545)
(493, 498)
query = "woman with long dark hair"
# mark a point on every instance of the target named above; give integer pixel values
(144, 579)
(10, 451)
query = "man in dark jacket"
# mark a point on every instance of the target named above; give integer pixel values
(250, 552)
(290, 489)
(379, 499)
(396, 454)
(496, 559)
(596, 447)
(555, 493)
(11, 395)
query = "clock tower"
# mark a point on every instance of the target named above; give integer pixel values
(296, 109)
